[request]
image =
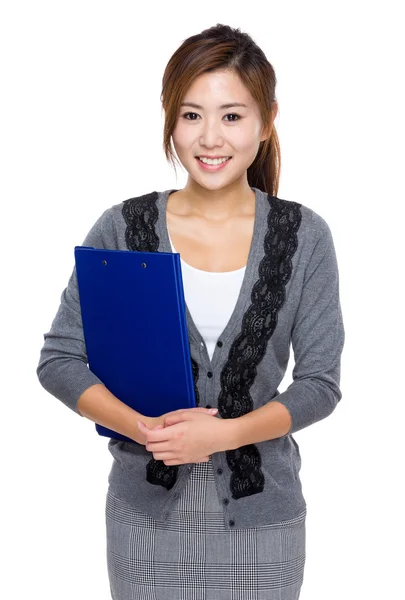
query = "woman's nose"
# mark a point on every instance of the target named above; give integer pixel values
(211, 134)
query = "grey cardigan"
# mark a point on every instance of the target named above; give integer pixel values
(289, 295)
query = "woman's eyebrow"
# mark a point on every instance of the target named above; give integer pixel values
(229, 105)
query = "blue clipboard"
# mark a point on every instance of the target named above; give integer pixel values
(135, 328)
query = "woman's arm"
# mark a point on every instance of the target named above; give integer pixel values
(62, 369)
(98, 404)
(317, 337)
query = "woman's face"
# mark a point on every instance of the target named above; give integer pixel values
(208, 129)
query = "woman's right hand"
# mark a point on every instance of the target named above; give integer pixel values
(158, 422)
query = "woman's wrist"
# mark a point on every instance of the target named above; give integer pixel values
(150, 422)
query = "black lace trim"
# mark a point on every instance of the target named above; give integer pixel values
(195, 369)
(140, 215)
(249, 347)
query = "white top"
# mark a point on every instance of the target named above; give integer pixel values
(211, 298)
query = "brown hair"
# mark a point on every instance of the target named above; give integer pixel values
(223, 47)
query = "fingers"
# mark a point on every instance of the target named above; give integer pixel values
(203, 409)
(178, 416)
(194, 408)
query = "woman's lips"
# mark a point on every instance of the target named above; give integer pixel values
(212, 167)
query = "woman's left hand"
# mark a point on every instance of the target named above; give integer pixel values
(185, 437)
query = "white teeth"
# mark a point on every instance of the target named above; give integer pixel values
(213, 161)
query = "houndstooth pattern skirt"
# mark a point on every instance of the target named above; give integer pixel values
(192, 556)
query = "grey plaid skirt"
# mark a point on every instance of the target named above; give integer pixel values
(192, 556)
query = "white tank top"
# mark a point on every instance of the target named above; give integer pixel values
(211, 299)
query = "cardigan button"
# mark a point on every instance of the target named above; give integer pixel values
(209, 374)
(231, 522)
(219, 344)
(226, 501)
(219, 471)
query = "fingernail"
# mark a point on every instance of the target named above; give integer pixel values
(213, 410)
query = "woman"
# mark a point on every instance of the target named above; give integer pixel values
(200, 504)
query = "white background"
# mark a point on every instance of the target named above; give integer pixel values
(81, 130)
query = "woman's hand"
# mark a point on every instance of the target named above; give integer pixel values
(158, 423)
(153, 423)
(186, 434)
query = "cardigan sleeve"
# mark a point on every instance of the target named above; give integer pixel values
(63, 368)
(317, 338)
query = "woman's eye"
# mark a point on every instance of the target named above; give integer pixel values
(233, 115)
(228, 115)
(186, 115)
